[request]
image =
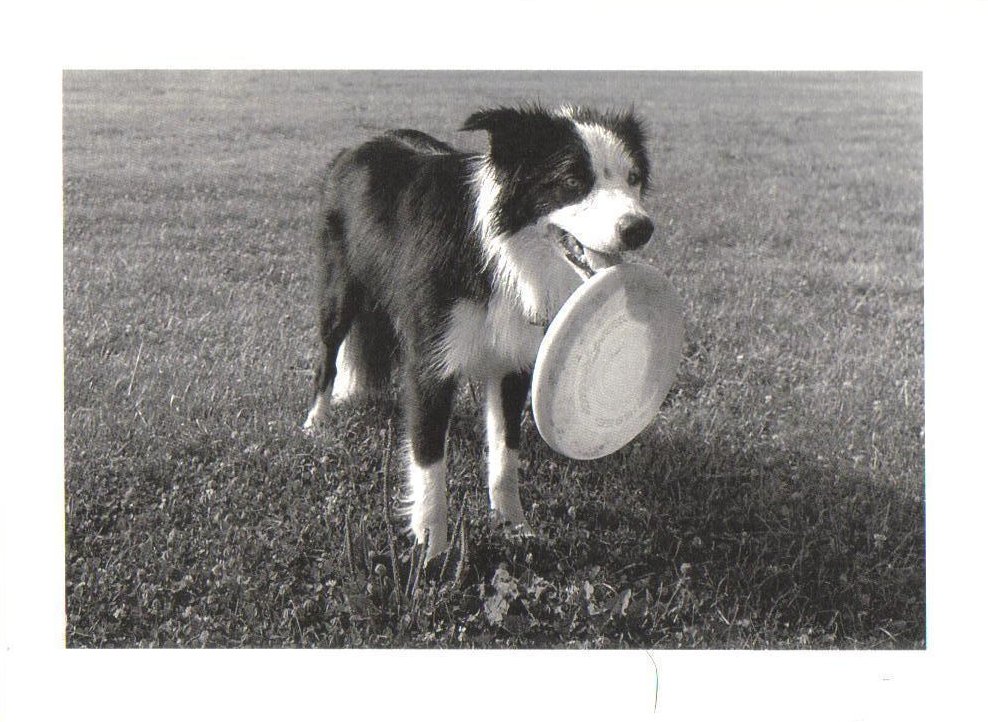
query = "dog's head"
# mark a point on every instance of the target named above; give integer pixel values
(577, 172)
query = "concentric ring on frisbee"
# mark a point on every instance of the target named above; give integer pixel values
(607, 361)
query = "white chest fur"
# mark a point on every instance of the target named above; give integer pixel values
(486, 341)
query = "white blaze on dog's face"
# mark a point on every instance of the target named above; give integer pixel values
(599, 220)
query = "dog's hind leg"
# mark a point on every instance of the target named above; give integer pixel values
(505, 401)
(337, 310)
(428, 404)
(365, 359)
(339, 303)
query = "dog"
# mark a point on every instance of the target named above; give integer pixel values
(449, 266)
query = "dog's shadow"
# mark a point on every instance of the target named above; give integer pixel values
(771, 531)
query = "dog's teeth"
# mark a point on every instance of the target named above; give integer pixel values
(575, 253)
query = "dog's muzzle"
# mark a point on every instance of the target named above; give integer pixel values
(633, 231)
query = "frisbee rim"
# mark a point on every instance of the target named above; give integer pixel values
(556, 349)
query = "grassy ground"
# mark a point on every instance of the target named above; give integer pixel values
(776, 503)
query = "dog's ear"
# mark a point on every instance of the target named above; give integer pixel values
(505, 128)
(515, 135)
(629, 128)
(493, 120)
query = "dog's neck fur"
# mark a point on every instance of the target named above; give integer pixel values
(525, 265)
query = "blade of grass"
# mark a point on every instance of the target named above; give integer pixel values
(386, 492)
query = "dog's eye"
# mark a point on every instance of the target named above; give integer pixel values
(634, 178)
(571, 182)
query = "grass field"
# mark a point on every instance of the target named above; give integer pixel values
(777, 502)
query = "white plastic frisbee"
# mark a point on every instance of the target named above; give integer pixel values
(607, 361)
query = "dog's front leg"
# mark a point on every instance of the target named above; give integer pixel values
(428, 404)
(505, 399)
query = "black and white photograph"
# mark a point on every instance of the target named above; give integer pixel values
(514, 358)
(494, 359)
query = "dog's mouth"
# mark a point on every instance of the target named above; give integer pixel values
(585, 261)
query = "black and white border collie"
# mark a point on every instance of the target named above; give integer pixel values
(455, 263)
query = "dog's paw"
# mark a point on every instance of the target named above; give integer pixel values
(313, 422)
(506, 509)
(318, 416)
(515, 526)
(435, 540)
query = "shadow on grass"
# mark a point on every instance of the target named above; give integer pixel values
(289, 540)
(676, 543)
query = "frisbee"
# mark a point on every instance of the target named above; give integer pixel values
(607, 361)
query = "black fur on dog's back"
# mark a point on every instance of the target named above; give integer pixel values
(394, 249)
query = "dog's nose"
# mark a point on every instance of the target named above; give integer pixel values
(635, 230)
